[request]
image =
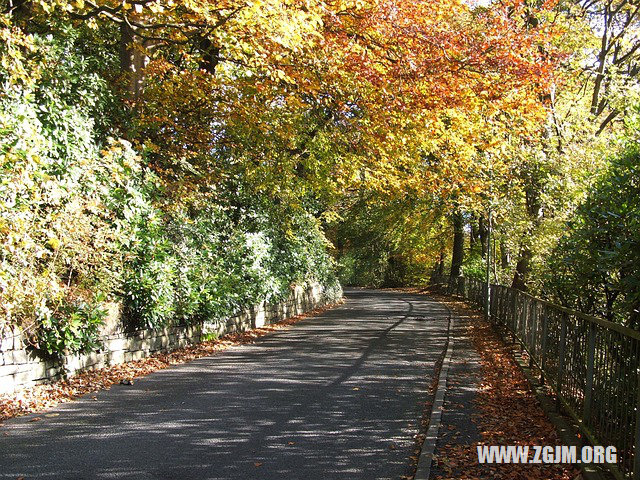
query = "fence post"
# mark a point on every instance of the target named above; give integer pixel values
(533, 312)
(487, 301)
(588, 389)
(523, 318)
(514, 315)
(526, 321)
(561, 354)
(504, 302)
(636, 456)
(495, 295)
(543, 353)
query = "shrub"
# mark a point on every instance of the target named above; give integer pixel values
(61, 221)
(595, 266)
(188, 269)
(74, 328)
(80, 214)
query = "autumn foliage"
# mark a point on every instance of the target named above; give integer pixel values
(203, 146)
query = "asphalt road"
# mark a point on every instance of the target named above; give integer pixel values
(337, 396)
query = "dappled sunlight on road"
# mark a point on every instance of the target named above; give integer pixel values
(337, 396)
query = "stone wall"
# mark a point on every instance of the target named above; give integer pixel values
(20, 367)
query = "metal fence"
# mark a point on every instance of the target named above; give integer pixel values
(593, 365)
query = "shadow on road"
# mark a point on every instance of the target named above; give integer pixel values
(338, 396)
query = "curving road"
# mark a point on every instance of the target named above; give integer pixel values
(337, 396)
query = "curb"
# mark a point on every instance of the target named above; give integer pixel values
(423, 470)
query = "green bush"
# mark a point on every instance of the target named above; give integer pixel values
(475, 266)
(61, 238)
(595, 266)
(191, 269)
(81, 213)
(74, 328)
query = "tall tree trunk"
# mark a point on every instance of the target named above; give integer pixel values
(523, 267)
(458, 245)
(534, 212)
(440, 266)
(394, 272)
(597, 86)
(483, 232)
(133, 60)
(473, 234)
(504, 255)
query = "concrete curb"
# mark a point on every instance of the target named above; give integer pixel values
(423, 470)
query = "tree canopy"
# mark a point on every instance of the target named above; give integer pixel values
(185, 158)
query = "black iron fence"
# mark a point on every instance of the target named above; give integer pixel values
(593, 365)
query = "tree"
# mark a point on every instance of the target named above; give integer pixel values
(616, 60)
(594, 91)
(263, 114)
(594, 268)
(458, 245)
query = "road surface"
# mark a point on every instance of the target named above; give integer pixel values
(337, 396)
